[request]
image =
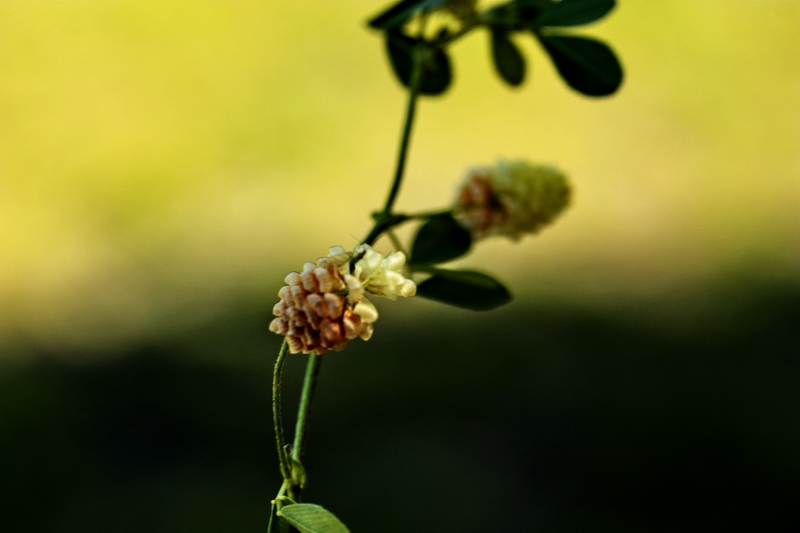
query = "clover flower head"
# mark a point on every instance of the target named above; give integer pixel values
(323, 307)
(511, 198)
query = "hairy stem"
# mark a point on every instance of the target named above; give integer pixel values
(277, 415)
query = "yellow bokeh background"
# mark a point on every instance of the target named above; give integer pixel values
(163, 162)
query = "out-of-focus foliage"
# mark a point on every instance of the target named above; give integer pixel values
(161, 163)
(439, 240)
(587, 65)
(160, 171)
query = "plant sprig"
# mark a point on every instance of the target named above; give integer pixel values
(418, 56)
(587, 65)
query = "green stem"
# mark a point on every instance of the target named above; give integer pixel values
(277, 416)
(291, 466)
(405, 139)
(295, 481)
(429, 214)
(304, 411)
(273, 518)
(384, 216)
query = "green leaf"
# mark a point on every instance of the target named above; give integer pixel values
(508, 59)
(276, 523)
(436, 73)
(464, 288)
(574, 12)
(440, 239)
(310, 518)
(588, 66)
(398, 14)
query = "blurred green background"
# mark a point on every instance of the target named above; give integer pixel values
(164, 164)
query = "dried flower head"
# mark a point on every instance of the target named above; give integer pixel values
(511, 198)
(324, 306)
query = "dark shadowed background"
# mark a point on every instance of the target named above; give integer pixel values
(163, 165)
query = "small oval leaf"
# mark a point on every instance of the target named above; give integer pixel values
(310, 518)
(436, 73)
(508, 60)
(575, 12)
(439, 240)
(464, 288)
(400, 48)
(588, 66)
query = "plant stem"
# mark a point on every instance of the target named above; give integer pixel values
(416, 73)
(277, 416)
(429, 214)
(405, 139)
(273, 519)
(296, 478)
(304, 411)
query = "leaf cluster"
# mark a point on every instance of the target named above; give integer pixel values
(420, 61)
(439, 240)
(587, 65)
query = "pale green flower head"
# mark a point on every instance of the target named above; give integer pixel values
(372, 273)
(511, 198)
(382, 276)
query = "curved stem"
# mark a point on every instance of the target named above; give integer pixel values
(277, 416)
(406, 136)
(385, 215)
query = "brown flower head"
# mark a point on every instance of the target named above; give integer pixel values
(324, 306)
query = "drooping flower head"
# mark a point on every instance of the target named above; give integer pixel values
(511, 198)
(324, 306)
